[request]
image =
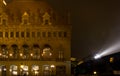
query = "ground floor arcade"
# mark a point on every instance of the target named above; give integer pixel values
(34, 68)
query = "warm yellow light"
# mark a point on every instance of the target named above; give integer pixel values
(21, 66)
(21, 54)
(11, 54)
(10, 70)
(4, 2)
(52, 66)
(31, 54)
(111, 59)
(42, 54)
(50, 54)
(36, 72)
(94, 72)
(0, 54)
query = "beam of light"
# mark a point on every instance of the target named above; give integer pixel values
(113, 49)
(4, 2)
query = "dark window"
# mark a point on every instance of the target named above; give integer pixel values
(60, 34)
(43, 34)
(0, 19)
(38, 34)
(54, 34)
(17, 34)
(27, 34)
(33, 34)
(6, 34)
(4, 22)
(65, 34)
(49, 34)
(22, 34)
(11, 34)
(25, 21)
(46, 22)
(1, 34)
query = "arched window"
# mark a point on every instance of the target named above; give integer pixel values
(25, 18)
(13, 70)
(47, 52)
(36, 51)
(3, 19)
(3, 70)
(24, 70)
(4, 51)
(14, 51)
(25, 51)
(35, 70)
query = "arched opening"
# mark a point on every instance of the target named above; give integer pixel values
(46, 70)
(25, 51)
(14, 51)
(13, 70)
(24, 70)
(4, 51)
(47, 52)
(3, 70)
(35, 70)
(36, 52)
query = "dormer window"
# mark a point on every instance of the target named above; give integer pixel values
(46, 19)
(4, 22)
(3, 19)
(25, 18)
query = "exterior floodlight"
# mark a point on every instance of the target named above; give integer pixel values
(4, 2)
(97, 56)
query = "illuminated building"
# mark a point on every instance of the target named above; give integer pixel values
(34, 39)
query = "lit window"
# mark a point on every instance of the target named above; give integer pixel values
(47, 52)
(111, 59)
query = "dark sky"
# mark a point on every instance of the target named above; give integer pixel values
(96, 24)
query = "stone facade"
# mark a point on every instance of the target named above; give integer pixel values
(34, 41)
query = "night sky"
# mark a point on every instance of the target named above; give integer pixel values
(96, 24)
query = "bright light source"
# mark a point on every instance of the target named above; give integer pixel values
(11, 54)
(94, 72)
(97, 56)
(111, 59)
(0, 54)
(31, 54)
(4, 2)
(112, 49)
(36, 72)
(52, 66)
(21, 54)
(15, 73)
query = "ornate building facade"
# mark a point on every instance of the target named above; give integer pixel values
(34, 39)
